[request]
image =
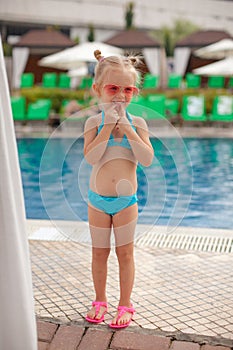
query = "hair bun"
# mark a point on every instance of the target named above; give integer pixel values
(97, 54)
(134, 60)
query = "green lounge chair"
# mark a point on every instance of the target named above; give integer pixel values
(171, 107)
(222, 109)
(155, 104)
(193, 108)
(137, 106)
(150, 81)
(18, 106)
(215, 81)
(49, 80)
(86, 83)
(192, 81)
(27, 80)
(174, 81)
(64, 81)
(39, 110)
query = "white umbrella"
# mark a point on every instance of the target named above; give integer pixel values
(223, 67)
(78, 72)
(75, 56)
(219, 50)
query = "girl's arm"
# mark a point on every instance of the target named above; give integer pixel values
(95, 145)
(139, 141)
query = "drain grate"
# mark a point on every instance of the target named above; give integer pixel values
(188, 241)
(180, 238)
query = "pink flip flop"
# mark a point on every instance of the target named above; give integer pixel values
(97, 305)
(122, 310)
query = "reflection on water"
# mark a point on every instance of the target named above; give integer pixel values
(190, 182)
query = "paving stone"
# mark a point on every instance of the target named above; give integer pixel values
(214, 347)
(138, 341)
(95, 340)
(46, 331)
(184, 345)
(67, 338)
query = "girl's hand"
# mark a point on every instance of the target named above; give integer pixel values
(123, 122)
(111, 116)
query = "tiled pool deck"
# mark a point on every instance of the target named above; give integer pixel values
(186, 294)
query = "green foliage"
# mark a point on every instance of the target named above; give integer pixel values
(168, 36)
(129, 15)
(91, 34)
(56, 95)
(7, 49)
(183, 28)
(76, 40)
(167, 41)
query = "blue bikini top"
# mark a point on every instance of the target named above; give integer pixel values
(124, 141)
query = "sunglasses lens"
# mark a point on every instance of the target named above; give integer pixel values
(129, 90)
(112, 89)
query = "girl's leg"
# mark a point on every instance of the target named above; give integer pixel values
(124, 224)
(100, 229)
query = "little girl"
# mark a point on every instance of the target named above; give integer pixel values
(114, 142)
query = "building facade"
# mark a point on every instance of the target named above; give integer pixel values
(107, 16)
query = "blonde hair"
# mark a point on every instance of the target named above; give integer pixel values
(129, 63)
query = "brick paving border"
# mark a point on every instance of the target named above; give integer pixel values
(53, 335)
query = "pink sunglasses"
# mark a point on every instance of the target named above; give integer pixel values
(112, 89)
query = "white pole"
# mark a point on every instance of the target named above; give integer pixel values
(17, 316)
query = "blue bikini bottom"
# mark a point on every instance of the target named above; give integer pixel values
(111, 205)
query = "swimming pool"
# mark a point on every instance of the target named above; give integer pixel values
(190, 182)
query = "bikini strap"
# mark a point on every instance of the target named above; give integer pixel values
(102, 122)
(129, 118)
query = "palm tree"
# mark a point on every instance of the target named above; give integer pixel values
(91, 34)
(129, 15)
(168, 36)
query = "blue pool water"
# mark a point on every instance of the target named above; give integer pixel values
(190, 182)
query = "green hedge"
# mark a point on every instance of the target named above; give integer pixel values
(57, 95)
